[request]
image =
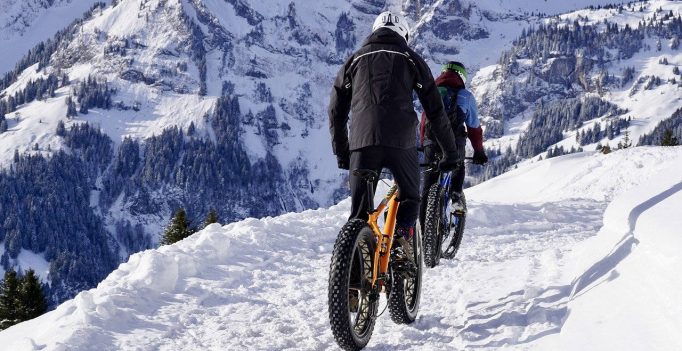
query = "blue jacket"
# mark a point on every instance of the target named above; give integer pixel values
(447, 83)
(465, 101)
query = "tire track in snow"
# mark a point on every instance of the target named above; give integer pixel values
(504, 287)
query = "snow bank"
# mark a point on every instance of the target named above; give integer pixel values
(626, 290)
(209, 269)
(586, 175)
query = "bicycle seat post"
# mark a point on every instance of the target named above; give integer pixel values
(370, 177)
(370, 194)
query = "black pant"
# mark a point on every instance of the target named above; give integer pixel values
(403, 164)
(432, 152)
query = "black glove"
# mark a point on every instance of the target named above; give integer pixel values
(479, 158)
(448, 163)
(343, 160)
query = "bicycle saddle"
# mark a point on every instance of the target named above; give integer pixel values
(366, 174)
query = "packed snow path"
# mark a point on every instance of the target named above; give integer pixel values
(277, 297)
(268, 290)
(262, 284)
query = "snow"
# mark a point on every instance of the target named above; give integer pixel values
(647, 108)
(28, 260)
(627, 297)
(630, 17)
(30, 74)
(228, 17)
(534, 267)
(548, 7)
(575, 252)
(587, 175)
(33, 124)
(25, 23)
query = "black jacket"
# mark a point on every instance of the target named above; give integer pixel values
(376, 83)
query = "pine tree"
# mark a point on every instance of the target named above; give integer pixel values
(211, 217)
(71, 107)
(626, 141)
(668, 139)
(178, 229)
(9, 295)
(61, 129)
(32, 301)
(191, 129)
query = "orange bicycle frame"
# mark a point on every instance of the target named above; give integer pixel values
(384, 238)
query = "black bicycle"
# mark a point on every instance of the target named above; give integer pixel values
(443, 226)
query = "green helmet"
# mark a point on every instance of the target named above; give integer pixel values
(456, 67)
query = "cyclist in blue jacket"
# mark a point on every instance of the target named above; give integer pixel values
(460, 105)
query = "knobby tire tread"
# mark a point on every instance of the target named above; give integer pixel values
(397, 306)
(432, 220)
(339, 271)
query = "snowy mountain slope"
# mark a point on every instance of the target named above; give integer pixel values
(534, 266)
(476, 32)
(25, 23)
(630, 62)
(205, 104)
(257, 31)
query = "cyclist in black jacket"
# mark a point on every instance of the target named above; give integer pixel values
(376, 85)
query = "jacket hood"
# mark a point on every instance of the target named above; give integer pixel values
(385, 36)
(449, 79)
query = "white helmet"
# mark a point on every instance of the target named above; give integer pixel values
(388, 19)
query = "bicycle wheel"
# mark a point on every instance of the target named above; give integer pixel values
(352, 303)
(433, 226)
(457, 232)
(405, 293)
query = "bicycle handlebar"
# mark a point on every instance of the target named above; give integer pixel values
(435, 164)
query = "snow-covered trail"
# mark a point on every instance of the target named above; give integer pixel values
(492, 293)
(529, 264)
(268, 288)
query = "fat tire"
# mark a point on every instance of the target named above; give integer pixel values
(432, 223)
(401, 310)
(350, 235)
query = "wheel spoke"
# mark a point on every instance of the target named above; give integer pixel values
(361, 260)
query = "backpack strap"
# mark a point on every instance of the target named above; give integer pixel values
(455, 113)
(449, 96)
